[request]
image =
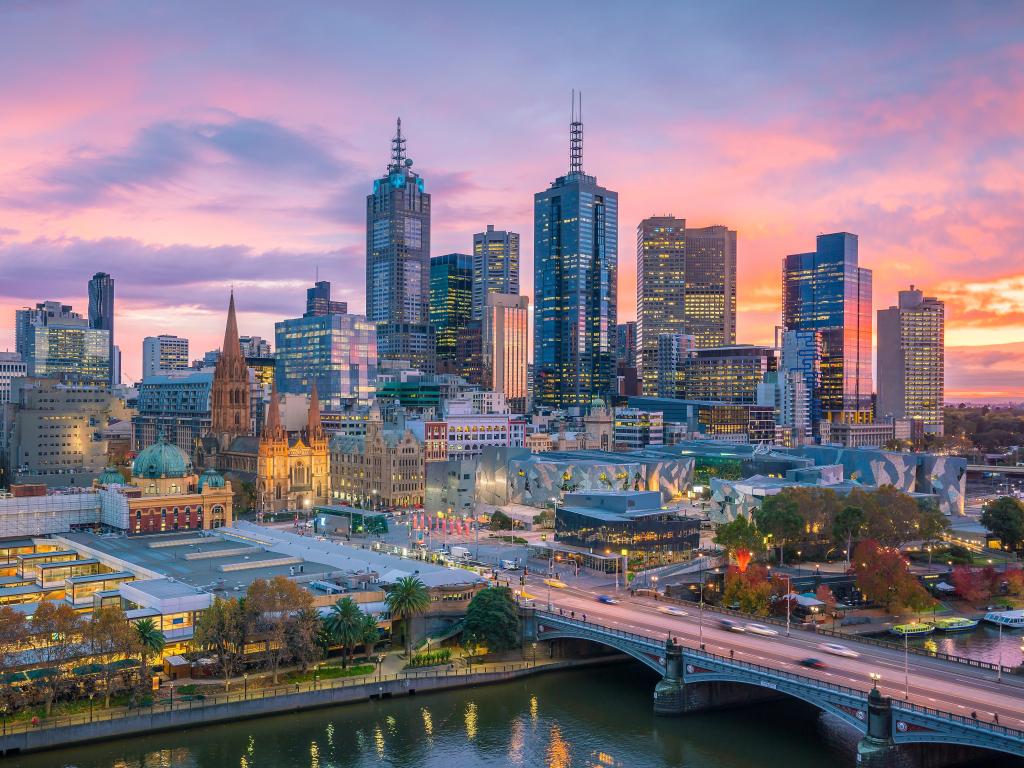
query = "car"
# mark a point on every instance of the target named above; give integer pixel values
(555, 583)
(607, 600)
(812, 663)
(839, 650)
(761, 629)
(671, 610)
(730, 625)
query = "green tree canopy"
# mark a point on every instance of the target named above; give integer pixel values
(779, 518)
(846, 526)
(741, 533)
(492, 619)
(408, 598)
(344, 623)
(1004, 517)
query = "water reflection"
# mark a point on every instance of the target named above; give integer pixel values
(982, 644)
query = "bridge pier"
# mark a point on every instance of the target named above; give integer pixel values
(877, 749)
(670, 692)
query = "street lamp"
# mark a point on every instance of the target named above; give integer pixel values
(245, 680)
(875, 680)
(906, 665)
(91, 694)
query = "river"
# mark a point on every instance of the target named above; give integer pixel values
(598, 717)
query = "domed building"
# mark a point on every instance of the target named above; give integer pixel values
(163, 468)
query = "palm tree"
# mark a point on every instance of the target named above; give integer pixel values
(407, 599)
(344, 623)
(369, 634)
(151, 641)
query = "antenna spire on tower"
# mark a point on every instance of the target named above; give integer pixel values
(398, 147)
(576, 136)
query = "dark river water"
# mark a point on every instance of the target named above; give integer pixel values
(599, 717)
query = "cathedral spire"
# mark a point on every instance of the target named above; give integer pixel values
(314, 429)
(232, 348)
(273, 424)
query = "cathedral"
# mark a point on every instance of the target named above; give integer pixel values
(288, 470)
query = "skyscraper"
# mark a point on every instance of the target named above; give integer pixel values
(911, 360)
(495, 266)
(575, 276)
(505, 345)
(318, 301)
(56, 342)
(799, 385)
(827, 291)
(101, 315)
(451, 298)
(164, 353)
(398, 262)
(686, 284)
(625, 347)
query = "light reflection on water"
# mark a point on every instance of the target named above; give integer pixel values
(598, 718)
(982, 644)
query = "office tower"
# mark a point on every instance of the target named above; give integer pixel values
(686, 284)
(710, 299)
(257, 346)
(115, 365)
(625, 347)
(673, 349)
(660, 290)
(11, 367)
(827, 291)
(800, 385)
(398, 262)
(336, 352)
(230, 415)
(101, 315)
(495, 266)
(56, 342)
(728, 374)
(163, 354)
(176, 408)
(451, 299)
(575, 277)
(911, 360)
(318, 301)
(505, 345)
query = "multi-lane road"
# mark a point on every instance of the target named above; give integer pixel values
(933, 683)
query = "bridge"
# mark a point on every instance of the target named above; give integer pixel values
(694, 678)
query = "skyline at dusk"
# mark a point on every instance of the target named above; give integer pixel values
(186, 156)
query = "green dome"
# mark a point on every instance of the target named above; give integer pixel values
(211, 478)
(162, 460)
(110, 476)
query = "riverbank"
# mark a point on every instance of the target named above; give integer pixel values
(103, 725)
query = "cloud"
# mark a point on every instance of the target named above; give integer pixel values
(989, 373)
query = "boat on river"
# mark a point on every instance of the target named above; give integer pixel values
(913, 629)
(1008, 619)
(955, 624)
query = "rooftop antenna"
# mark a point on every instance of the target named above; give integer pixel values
(398, 147)
(576, 136)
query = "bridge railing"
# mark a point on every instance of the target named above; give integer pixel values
(974, 722)
(645, 639)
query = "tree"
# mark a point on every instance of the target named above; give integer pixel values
(891, 517)
(778, 517)
(344, 623)
(883, 576)
(1004, 517)
(220, 630)
(847, 525)
(369, 634)
(56, 640)
(972, 585)
(13, 635)
(151, 642)
(304, 637)
(739, 534)
(749, 589)
(110, 639)
(407, 599)
(500, 521)
(1015, 582)
(824, 594)
(492, 619)
(270, 605)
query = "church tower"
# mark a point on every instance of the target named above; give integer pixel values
(319, 455)
(229, 395)
(272, 470)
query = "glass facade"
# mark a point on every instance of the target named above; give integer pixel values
(727, 374)
(827, 291)
(575, 280)
(339, 352)
(101, 313)
(662, 533)
(504, 347)
(451, 297)
(495, 266)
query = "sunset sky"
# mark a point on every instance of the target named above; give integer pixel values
(188, 147)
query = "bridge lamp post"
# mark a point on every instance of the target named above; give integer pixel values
(875, 680)
(999, 672)
(906, 666)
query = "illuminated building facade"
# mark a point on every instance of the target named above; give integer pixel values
(495, 266)
(504, 347)
(728, 374)
(710, 300)
(827, 291)
(575, 284)
(911, 360)
(660, 290)
(56, 342)
(101, 317)
(164, 353)
(398, 262)
(451, 299)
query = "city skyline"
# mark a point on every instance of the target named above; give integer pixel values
(180, 181)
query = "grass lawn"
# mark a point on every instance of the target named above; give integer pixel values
(330, 673)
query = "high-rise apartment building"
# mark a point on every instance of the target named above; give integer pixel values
(827, 291)
(504, 347)
(318, 301)
(728, 374)
(56, 342)
(911, 360)
(257, 346)
(164, 353)
(101, 317)
(673, 350)
(686, 284)
(451, 299)
(799, 385)
(495, 266)
(575, 281)
(398, 262)
(625, 347)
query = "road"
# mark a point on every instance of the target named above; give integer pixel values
(933, 683)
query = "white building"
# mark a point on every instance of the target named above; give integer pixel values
(636, 429)
(164, 353)
(11, 367)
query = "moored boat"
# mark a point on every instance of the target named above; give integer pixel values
(913, 629)
(1008, 619)
(955, 624)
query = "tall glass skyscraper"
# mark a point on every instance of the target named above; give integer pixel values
(575, 274)
(101, 315)
(398, 262)
(451, 296)
(495, 266)
(827, 291)
(56, 342)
